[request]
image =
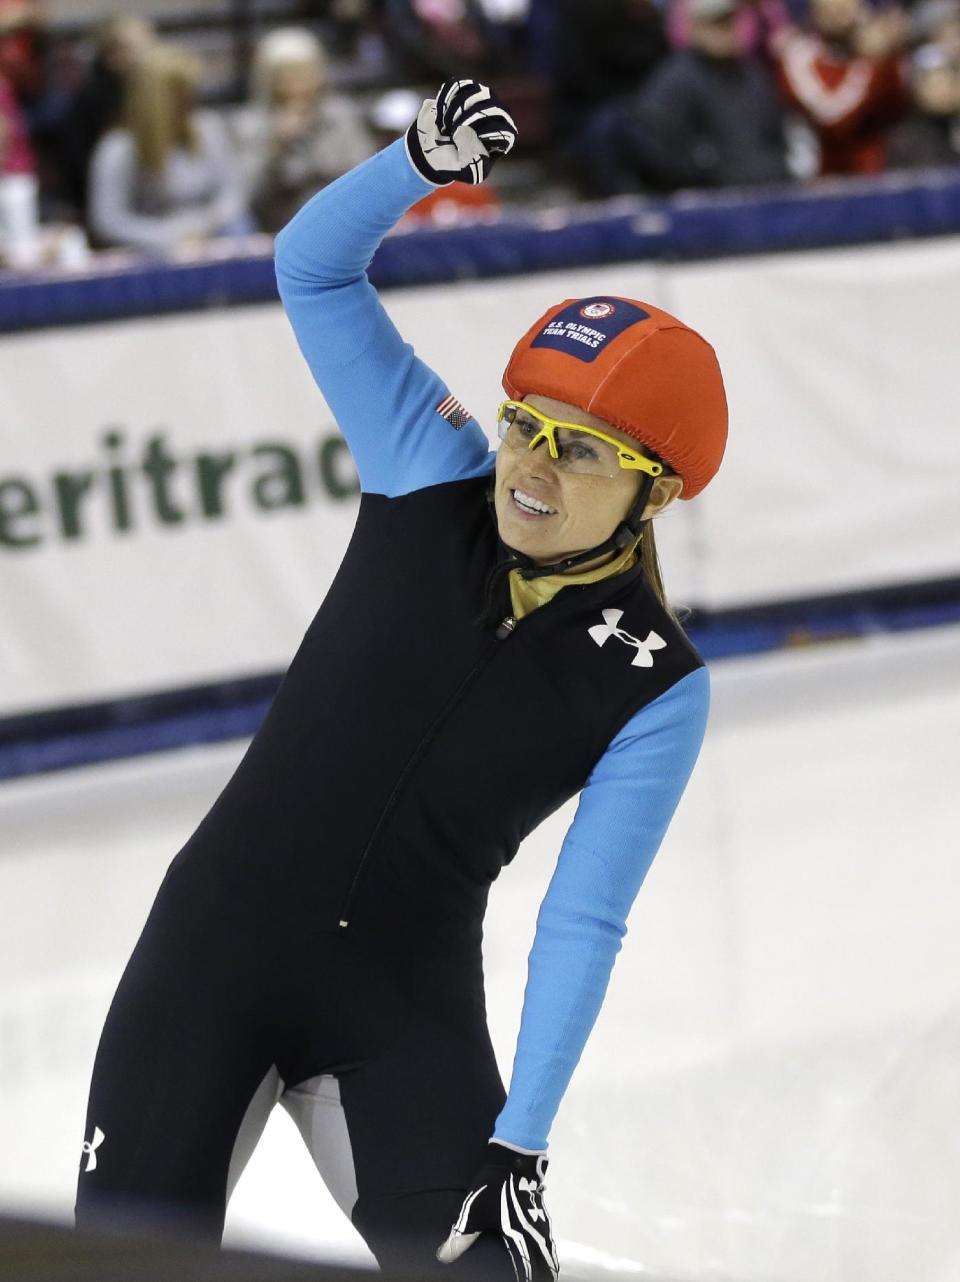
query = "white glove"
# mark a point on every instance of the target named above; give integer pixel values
(507, 1199)
(458, 135)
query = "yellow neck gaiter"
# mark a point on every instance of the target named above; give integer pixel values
(527, 594)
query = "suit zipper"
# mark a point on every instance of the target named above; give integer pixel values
(505, 628)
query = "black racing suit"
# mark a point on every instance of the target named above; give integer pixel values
(321, 930)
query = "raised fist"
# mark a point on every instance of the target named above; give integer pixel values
(457, 136)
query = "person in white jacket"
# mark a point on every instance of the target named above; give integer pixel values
(168, 177)
(297, 133)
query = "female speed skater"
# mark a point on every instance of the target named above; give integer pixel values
(495, 642)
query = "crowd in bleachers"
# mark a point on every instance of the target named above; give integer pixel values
(115, 140)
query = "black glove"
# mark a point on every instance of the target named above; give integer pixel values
(457, 135)
(507, 1198)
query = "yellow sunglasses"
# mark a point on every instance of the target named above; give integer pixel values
(522, 427)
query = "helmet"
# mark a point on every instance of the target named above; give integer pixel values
(635, 366)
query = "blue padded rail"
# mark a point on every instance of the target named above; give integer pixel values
(62, 738)
(687, 226)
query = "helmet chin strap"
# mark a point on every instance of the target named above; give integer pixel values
(627, 532)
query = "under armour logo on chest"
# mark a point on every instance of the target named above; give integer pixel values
(90, 1148)
(602, 632)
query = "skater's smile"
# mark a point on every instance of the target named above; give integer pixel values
(547, 511)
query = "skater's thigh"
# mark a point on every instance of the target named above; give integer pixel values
(182, 1054)
(402, 1230)
(418, 1119)
(420, 1113)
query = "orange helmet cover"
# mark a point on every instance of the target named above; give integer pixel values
(638, 368)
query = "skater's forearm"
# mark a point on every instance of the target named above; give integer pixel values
(623, 814)
(332, 240)
(385, 399)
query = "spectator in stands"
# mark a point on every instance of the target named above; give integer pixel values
(707, 117)
(18, 185)
(604, 50)
(38, 69)
(515, 23)
(21, 48)
(760, 25)
(937, 22)
(930, 135)
(351, 29)
(450, 37)
(297, 134)
(846, 78)
(168, 177)
(96, 105)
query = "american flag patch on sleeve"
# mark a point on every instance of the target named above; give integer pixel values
(455, 413)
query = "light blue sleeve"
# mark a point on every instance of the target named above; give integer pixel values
(623, 814)
(385, 400)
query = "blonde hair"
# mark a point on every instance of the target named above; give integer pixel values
(650, 561)
(651, 569)
(154, 108)
(284, 47)
(123, 27)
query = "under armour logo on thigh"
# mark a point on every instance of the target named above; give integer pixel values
(90, 1148)
(602, 632)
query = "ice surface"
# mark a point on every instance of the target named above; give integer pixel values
(773, 1086)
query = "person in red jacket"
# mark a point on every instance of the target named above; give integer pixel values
(18, 185)
(846, 78)
(16, 154)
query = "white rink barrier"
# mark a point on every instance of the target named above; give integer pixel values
(174, 497)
